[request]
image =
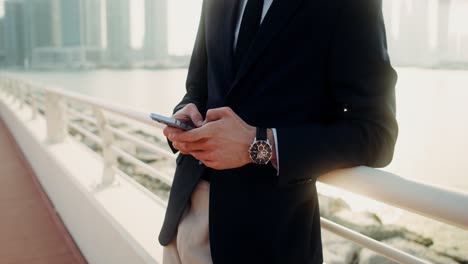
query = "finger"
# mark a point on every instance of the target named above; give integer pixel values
(196, 118)
(192, 147)
(177, 146)
(213, 164)
(192, 135)
(203, 156)
(171, 130)
(189, 114)
(217, 113)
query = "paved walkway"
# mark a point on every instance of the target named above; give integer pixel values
(30, 231)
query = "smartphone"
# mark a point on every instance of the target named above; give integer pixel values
(170, 122)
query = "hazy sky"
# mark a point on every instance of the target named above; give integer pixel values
(183, 21)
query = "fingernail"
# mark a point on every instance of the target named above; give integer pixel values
(199, 123)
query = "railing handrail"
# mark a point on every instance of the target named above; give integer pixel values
(439, 203)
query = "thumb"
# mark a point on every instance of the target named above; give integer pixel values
(196, 118)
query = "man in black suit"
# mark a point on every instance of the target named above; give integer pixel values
(280, 92)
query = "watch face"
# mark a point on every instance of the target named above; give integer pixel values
(260, 152)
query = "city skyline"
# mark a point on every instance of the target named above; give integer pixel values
(83, 33)
(181, 32)
(419, 32)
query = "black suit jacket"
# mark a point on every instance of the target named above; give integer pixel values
(319, 72)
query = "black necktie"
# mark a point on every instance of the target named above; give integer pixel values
(249, 27)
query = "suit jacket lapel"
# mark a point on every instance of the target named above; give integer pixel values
(230, 18)
(277, 16)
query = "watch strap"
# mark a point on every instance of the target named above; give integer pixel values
(261, 133)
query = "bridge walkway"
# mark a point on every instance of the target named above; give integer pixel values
(30, 230)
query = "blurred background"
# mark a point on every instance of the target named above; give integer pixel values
(86, 34)
(136, 53)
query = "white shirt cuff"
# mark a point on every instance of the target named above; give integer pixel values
(276, 164)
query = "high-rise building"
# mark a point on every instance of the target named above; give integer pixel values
(38, 27)
(118, 31)
(39, 19)
(56, 18)
(79, 22)
(74, 37)
(2, 34)
(2, 42)
(155, 40)
(15, 32)
(28, 25)
(72, 23)
(92, 23)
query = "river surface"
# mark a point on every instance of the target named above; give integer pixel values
(432, 112)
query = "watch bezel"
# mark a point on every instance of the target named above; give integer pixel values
(254, 154)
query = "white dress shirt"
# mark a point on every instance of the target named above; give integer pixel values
(242, 4)
(266, 7)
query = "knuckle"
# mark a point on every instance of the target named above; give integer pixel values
(210, 156)
(182, 146)
(208, 145)
(208, 126)
(193, 108)
(216, 166)
(192, 105)
(227, 110)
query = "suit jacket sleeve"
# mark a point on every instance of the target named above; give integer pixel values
(363, 130)
(196, 84)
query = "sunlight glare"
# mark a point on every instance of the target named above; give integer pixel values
(137, 23)
(458, 18)
(359, 203)
(184, 16)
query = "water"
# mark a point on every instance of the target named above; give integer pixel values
(147, 90)
(432, 113)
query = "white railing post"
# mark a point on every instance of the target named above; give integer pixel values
(22, 93)
(16, 87)
(12, 90)
(110, 159)
(9, 88)
(2, 84)
(32, 101)
(56, 117)
(3, 87)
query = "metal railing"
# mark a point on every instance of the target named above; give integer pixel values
(430, 201)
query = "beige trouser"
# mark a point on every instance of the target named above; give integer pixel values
(192, 242)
